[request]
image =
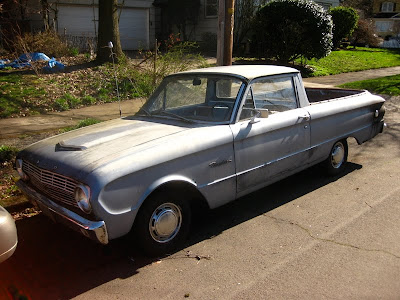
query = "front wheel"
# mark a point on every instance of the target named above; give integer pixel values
(337, 159)
(162, 224)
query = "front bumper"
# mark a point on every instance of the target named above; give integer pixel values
(95, 230)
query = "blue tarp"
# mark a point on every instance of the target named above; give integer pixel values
(25, 59)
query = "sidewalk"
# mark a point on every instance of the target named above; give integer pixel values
(335, 80)
(14, 127)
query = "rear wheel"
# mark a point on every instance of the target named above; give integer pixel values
(336, 162)
(162, 224)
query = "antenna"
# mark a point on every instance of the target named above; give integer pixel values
(110, 46)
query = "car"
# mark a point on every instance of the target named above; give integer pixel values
(8, 235)
(204, 138)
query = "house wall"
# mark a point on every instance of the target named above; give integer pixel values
(378, 3)
(132, 7)
(387, 23)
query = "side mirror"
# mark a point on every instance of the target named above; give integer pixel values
(256, 115)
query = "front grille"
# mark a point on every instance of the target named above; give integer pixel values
(53, 185)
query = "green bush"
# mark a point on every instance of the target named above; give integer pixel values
(344, 22)
(88, 100)
(288, 29)
(66, 102)
(7, 153)
(74, 51)
(61, 104)
(72, 101)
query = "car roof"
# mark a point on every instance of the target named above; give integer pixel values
(248, 72)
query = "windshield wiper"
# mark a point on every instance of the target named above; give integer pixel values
(168, 113)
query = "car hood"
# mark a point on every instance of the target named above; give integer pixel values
(78, 152)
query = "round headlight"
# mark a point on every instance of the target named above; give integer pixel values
(21, 173)
(82, 198)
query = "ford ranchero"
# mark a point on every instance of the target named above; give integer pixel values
(206, 136)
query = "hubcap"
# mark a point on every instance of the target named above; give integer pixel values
(337, 155)
(165, 222)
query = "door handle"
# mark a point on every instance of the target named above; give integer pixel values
(305, 117)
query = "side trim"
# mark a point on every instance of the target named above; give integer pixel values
(302, 151)
(216, 181)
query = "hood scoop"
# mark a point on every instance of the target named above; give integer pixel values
(61, 146)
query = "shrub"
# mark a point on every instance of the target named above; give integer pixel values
(364, 34)
(344, 22)
(47, 42)
(289, 29)
(74, 51)
(61, 104)
(72, 101)
(7, 153)
(88, 100)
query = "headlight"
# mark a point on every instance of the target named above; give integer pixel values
(82, 198)
(21, 173)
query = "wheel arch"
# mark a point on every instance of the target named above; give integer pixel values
(176, 183)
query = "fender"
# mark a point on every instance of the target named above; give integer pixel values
(161, 181)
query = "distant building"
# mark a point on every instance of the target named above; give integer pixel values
(387, 17)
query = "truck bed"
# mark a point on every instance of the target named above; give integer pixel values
(322, 94)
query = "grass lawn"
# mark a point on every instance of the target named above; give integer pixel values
(343, 61)
(386, 85)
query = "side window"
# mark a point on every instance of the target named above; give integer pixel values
(270, 95)
(274, 94)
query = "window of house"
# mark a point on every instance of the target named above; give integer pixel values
(211, 8)
(325, 5)
(387, 7)
(383, 26)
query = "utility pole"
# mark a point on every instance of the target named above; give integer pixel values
(225, 32)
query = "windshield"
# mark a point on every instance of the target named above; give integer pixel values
(194, 98)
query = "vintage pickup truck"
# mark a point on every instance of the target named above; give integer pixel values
(205, 137)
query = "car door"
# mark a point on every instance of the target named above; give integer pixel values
(273, 145)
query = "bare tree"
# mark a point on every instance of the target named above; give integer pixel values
(363, 5)
(108, 31)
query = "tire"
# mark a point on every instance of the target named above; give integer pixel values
(336, 162)
(162, 224)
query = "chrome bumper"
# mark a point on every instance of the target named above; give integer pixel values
(95, 230)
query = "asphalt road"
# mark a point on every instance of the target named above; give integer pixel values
(306, 237)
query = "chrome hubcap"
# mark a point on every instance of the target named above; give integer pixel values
(337, 155)
(165, 222)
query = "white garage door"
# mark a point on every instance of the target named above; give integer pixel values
(82, 21)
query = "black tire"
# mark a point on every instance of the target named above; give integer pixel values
(162, 224)
(336, 162)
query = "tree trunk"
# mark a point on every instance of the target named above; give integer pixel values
(45, 14)
(108, 31)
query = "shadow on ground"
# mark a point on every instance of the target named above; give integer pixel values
(53, 262)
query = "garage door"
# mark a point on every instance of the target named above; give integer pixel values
(82, 21)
